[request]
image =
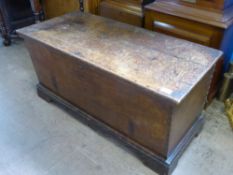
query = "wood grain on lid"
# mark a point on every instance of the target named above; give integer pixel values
(162, 64)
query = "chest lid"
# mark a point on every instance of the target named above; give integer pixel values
(162, 64)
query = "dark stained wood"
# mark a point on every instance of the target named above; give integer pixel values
(181, 123)
(213, 5)
(147, 86)
(55, 8)
(14, 15)
(36, 8)
(217, 19)
(153, 161)
(127, 11)
(124, 11)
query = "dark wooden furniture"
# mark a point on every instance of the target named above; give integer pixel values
(54, 8)
(145, 88)
(216, 5)
(127, 11)
(15, 14)
(193, 22)
(37, 10)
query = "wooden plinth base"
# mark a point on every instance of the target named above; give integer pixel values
(150, 159)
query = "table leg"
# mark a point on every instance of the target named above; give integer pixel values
(4, 31)
(37, 9)
(81, 4)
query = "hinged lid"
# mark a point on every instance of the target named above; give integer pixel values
(164, 65)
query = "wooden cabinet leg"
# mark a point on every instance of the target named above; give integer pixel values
(4, 31)
(37, 9)
(7, 41)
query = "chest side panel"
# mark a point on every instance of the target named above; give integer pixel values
(131, 110)
(189, 110)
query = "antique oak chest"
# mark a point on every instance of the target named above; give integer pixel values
(144, 88)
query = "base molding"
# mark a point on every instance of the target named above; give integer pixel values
(150, 159)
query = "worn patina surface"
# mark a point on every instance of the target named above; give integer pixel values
(147, 87)
(157, 62)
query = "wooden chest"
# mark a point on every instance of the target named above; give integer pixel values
(145, 88)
